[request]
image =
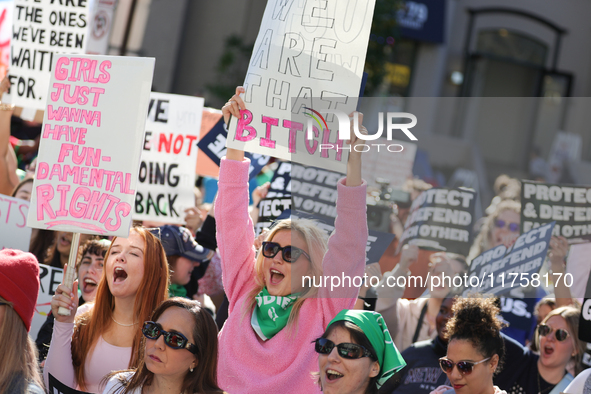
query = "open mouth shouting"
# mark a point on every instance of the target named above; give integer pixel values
(547, 351)
(119, 275)
(333, 375)
(88, 285)
(276, 277)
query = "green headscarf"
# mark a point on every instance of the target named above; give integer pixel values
(374, 327)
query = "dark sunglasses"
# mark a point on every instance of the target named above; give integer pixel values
(559, 334)
(289, 253)
(173, 340)
(346, 350)
(514, 227)
(465, 367)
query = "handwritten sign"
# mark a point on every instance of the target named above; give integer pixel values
(13, 231)
(41, 30)
(167, 175)
(307, 56)
(49, 279)
(91, 141)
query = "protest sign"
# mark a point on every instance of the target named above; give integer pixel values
(214, 146)
(585, 321)
(307, 57)
(91, 140)
(205, 166)
(14, 234)
(441, 219)
(5, 33)
(271, 209)
(518, 312)
(101, 20)
(577, 264)
(499, 269)
(169, 155)
(569, 206)
(49, 279)
(41, 30)
(57, 387)
(394, 168)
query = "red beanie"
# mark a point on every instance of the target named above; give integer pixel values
(19, 282)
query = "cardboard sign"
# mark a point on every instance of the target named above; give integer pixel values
(169, 155)
(569, 206)
(441, 219)
(307, 57)
(500, 269)
(49, 279)
(14, 234)
(5, 34)
(91, 139)
(57, 387)
(214, 146)
(41, 30)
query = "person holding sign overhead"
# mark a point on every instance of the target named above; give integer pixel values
(180, 353)
(264, 346)
(106, 335)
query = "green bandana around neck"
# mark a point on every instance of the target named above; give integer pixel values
(175, 290)
(374, 327)
(271, 313)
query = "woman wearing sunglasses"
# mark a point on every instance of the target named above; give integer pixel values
(356, 354)
(559, 346)
(272, 314)
(475, 347)
(105, 336)
(180, 353)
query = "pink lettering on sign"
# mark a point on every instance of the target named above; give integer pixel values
(80, 69)
(243, 125)
(312, 148)
(267, 141)
(293, 127)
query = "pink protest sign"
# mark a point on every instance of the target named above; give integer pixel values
(91, 142)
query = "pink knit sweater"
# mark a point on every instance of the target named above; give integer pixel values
(284, 363)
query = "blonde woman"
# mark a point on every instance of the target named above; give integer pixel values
(273, 316)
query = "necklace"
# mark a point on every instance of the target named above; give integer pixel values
(540, 391)
(123, 325)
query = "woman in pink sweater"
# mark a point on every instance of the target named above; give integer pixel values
(265, 343)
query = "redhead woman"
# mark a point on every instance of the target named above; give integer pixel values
(180, 353)
(273, 316)
(105, 336)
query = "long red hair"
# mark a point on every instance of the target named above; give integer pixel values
(152, 291)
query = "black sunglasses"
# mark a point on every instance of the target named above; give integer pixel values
(514, 227)
(465, 367)
(559, 334)
(173, 340)
(346, 350)
(289, 253)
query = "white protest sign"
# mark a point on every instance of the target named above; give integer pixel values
(41, 30)
(91, 141)
(100, 21)
(393, 167)
(14, 234)
(169, 157)
(49, 279)
(313, 52)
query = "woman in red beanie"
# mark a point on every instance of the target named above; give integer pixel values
(19, 287)
(105, 336)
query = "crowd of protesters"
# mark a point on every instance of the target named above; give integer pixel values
(209, 307)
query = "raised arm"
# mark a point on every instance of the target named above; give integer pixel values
(557, 255)
(8, 177)
(235, 231)
(346, 246)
